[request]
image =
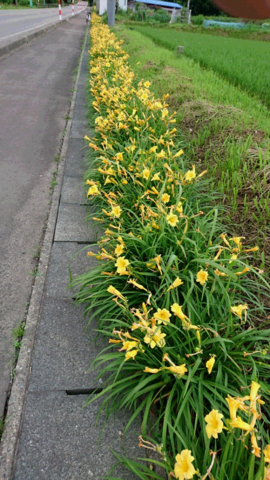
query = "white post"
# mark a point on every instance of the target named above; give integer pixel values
(72, 7)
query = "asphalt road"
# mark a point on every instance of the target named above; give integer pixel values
(13, 21)
(36, 89)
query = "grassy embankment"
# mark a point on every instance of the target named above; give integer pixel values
(243, 63)
(224, 128)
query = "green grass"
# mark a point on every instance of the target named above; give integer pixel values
(244, 63)
(5, 6)
(224, 129)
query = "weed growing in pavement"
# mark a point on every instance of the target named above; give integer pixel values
(36, 255)
(53, 181)
(177, 297)
(17, 335)
(2, 426)
(35, 272)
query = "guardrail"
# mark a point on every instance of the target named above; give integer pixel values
(51, 5)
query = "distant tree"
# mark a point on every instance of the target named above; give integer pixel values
(204, 7)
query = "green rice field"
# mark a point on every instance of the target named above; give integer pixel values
(245, 63)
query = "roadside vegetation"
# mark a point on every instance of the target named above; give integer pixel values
(222, 127)
(11, 6)
(253, 29)
(243, 63)
(177, 293)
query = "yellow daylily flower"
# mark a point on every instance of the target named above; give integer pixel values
(220, 274)
(266, 453)
(235, 404)
(179, 207)
(146, 173)
(177, 282)
(119, 157)
(162, 316)
(237, 240)
(131, 354)
(127, 345)
(214, 424)
(135, 284)
(256, 449)
(154, 338)
(209, 364)
(121, 265)
(246, 269)
(239, 309)
(239, 423)
(155, 177)
(178, 369)
(116, 211)
(177, 310)
(165, 198)
(119, 250)
(161, 154)
(223, 237)
(266, 473)
(93, 191)
(172, 219)
(183, 468)
(152, 370)
(178, 154)
(190, 175)
(253, 396)
(202, 277)
(254, 249)
(116, 292)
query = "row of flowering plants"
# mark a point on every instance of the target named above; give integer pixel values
(178, 299)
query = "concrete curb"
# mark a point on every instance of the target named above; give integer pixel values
(22, 39)
(23, 369)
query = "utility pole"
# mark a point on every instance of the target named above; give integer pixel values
(111, 12)
(188, 10)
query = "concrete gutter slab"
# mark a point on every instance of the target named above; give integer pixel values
(65, 349)
(75, 160)
(67, 256)
(80, 111)
(79, 129)
(71, 225)
(81, 97)
(60, 440)
(73, 191)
